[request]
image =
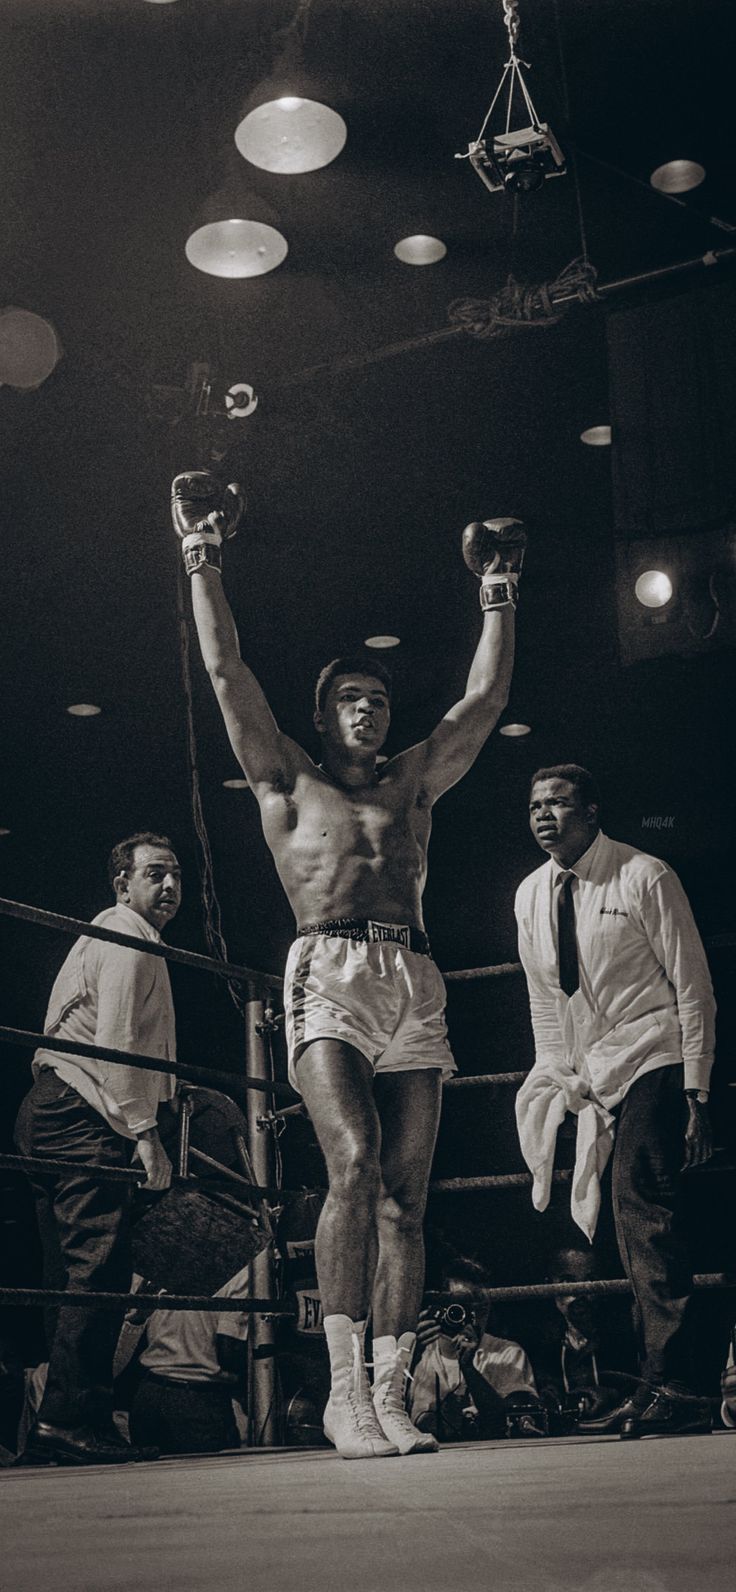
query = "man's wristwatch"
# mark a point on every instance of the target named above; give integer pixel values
(701, 1095)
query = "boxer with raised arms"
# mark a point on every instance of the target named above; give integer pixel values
(364, 1001)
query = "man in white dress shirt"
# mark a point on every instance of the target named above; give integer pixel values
(92, 1111)
(623, 1016)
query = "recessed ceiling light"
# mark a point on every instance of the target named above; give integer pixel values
(236, 248)
(678, 176)
(83, 710)
(235, 784)
(420, 249)
(515, 730)
(597, 436)
(382, 641)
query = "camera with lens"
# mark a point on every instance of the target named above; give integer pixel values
(518, 161)
(451, 1316)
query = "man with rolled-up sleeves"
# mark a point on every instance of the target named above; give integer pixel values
(91, 1111)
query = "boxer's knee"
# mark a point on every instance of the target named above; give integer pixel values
(355, 1177)
(401, 1214)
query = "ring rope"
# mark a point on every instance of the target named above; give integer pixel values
(125, 1301)
(170, 953)
(607, 1285)
(273, 1307)
(714, 942)
(504, 1180)
(475, 1080)
(456, 1185)
(483, 1080)
(447, 1185)
(131, 1058)
(463, 975)
(107, 1173)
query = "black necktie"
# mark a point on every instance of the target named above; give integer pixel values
(566, 942)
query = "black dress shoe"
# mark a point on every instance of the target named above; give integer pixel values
(614, 1420)
(669, 1413)
(77, 1445)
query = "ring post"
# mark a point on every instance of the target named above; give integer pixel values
(262, 1412)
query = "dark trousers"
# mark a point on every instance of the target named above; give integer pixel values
(183, 1417)
(646, 1187)
(84, 1226)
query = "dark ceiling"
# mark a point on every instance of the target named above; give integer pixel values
(378, 434)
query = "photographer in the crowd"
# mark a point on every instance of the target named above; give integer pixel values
(468, 1383)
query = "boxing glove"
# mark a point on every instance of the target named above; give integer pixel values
(494, 550)
(204, 514)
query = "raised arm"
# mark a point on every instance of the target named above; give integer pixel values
(494, 550)
(204, 515)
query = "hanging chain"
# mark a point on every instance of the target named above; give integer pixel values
(513, 25)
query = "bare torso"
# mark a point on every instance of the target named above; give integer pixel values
(359, 852)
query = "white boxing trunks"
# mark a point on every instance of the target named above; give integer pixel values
(372, 985)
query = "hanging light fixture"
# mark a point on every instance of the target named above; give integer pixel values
(236, 248)
(285, 129)
(290, 133)
(678, 176)
(237, 235)
(420, 248)
(29, 349)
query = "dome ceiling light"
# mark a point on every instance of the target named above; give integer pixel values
(236, 248)
(678, 176)
(29, 349)
(596, 436)
(420, 249)
(291, 134)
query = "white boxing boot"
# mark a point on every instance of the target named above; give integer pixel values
(391, 1361)
(349, 1419)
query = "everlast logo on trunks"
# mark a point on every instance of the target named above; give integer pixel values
(396, 932)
